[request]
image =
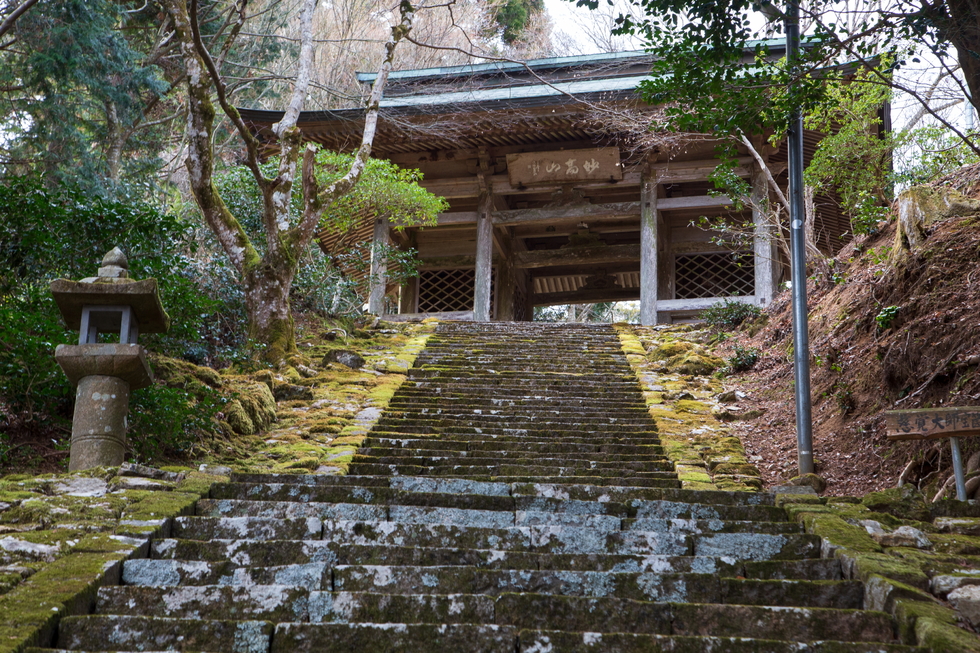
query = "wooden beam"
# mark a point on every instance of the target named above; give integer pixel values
(456, 217)
(586, 296)
(674, 172)
(447, 262)
(576, 256)
(596, 226)
(573, 212)
(648, 252)
(693, 202)
(679, 172)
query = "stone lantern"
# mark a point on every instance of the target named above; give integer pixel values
(112, 306)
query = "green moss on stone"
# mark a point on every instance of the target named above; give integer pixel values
(838, 532)
(905, 502)
(199, 483)
(866, 565)
(160, 505)
(694, 363)
(67, 586)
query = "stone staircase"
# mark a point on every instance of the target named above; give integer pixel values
(514, 497)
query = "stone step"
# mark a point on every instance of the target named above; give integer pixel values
(526, 611)
(238, 528)
(700, 504)
(570, 550)
(460, 391)
(541, 420)
(319, 575)
(579, 534)
(499, 498)
(515, 436)
(515, 453)
(624, 465)
(591, 642)
(102, 633)
(498, 386)
(680, 587)
(644, 586)
(504, 446)
(516, 472)
(425, 400)
(598, 413)
(609, 435)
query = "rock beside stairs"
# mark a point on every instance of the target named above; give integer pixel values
(513, 498)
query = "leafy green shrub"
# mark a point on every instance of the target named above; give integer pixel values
(742, 359)
(46, 233)
(30, 380)
(729, 314)
(169, 422)
(886, 317)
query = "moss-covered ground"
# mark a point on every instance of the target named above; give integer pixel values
(677, 373)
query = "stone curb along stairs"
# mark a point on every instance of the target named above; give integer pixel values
(513, 497)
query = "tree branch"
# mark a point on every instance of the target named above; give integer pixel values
(251, 142)
(315, 205)
(11, 20)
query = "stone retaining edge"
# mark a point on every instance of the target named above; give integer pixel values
(922, 619)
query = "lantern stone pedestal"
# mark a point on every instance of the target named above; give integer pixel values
(106, 372)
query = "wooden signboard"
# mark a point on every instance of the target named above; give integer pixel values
(600, 164)
(932, 423)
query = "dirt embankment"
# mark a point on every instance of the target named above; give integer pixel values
(899, 329)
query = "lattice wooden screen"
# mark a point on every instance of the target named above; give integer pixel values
(448, 291)
(714, 275)
(520, 303)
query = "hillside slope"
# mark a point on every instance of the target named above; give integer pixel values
(900, 329)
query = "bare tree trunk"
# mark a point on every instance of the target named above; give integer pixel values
(270, 320)
(267, 279)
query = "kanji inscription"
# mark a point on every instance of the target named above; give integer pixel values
(600, 164)
(928, 423)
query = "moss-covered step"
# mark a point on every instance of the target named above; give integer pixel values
(282, 603)
(569, 436)
(638, 462)
(377, 451)
(96, 632)
(568, 613)
(595, 642)
(643, 586)
(391, 637)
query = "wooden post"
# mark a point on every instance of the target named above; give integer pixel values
(648, 251)
(379, 267)
(409, 298)
(505, 291)
(763, 245)
(484, 251)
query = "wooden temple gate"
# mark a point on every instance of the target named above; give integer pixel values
(554, 201)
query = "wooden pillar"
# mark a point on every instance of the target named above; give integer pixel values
(484, 252)
(527, 283)
(505, 291)
(648, 251)
(379, 267)
(762, 245)
(409, 298)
